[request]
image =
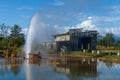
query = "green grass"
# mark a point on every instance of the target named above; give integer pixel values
(79, 53)
(95, 55)
(113, 57)
(1, 50)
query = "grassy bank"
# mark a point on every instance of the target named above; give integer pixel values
(94, 55)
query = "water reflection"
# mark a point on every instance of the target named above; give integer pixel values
(108, 70)
(30, 65)
(81, 68)
(59, 69)
(9, 67)
(42, 71)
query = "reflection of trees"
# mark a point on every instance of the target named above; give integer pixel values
(10, 66)
(77, 69)
(35, 61)
(108, 64)
(15, 70)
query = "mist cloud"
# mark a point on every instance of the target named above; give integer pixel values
(40, 31)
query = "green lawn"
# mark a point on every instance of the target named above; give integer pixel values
(95, 55)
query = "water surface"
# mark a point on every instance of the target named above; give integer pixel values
(59, 69)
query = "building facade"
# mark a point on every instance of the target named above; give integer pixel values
(76, 40)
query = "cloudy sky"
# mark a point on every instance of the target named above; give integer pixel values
(101, 15)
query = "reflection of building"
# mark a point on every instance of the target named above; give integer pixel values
(76, 39)
(35, 56)
(75, 69)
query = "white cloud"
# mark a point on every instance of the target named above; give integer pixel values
(59, 3)
(115, 31)
(87, 24)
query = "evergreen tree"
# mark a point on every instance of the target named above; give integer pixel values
(107, 41)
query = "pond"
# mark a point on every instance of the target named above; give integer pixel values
(59, 69)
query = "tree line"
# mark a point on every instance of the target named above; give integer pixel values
(11, 39)
(108, 42)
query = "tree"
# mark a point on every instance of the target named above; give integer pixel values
(107, 41)
(4, 30)
(118, 43)
(11, 42)
(15, 31)
(4, 33)
(17, 38)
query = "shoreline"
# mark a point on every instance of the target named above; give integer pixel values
(77, 56)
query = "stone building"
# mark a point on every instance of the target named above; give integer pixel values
(76, 40)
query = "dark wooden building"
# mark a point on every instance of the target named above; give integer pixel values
(76, 39)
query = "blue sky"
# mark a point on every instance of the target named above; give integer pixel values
(102, 15)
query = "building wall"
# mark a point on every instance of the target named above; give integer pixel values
(77, 40)
(62, 38)
(93, 43)
(67, 44)
(76, 44)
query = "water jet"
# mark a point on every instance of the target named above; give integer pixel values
(38, 32)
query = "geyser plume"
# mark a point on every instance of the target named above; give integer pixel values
(38, 32)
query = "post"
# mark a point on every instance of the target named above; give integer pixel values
(92, 51)
(118, 53)
(98, 52)
(83, 50)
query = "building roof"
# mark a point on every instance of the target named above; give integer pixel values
(77, 31)
(61, 34)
